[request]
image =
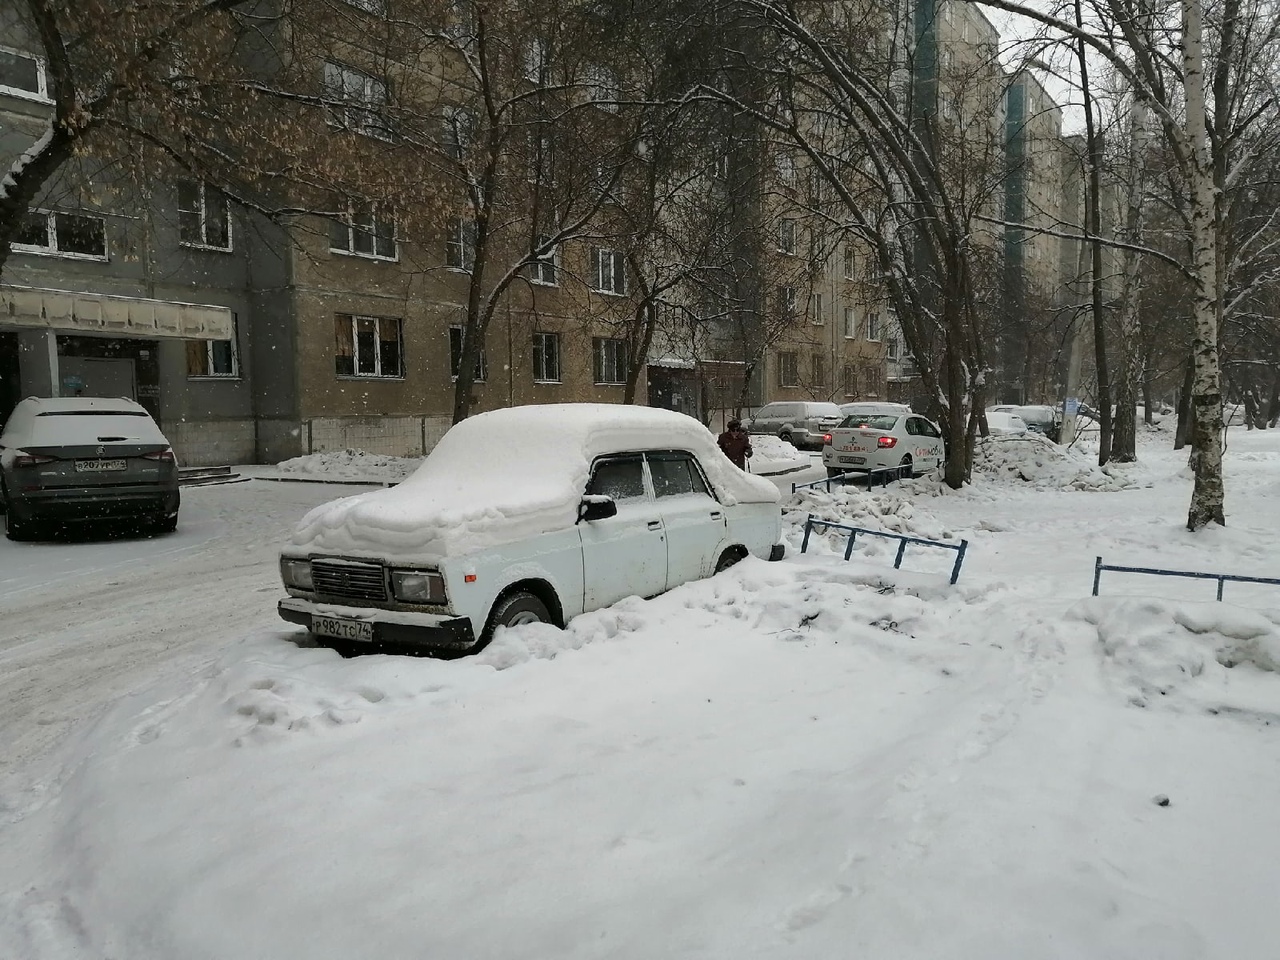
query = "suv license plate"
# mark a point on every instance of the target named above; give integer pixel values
(342, 629)
(853, 459)
(97, 466)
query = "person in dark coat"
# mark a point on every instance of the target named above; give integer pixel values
(736, 444)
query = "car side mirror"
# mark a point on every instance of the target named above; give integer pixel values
(597, 507)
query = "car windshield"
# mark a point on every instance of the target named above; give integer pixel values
(871, 423)
(75, 428)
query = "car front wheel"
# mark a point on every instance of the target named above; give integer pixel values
(906, 469)
(514, 610)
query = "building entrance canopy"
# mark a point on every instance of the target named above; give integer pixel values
(68, 311)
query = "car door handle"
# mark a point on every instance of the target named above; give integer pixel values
(716, 515)
(655, 524)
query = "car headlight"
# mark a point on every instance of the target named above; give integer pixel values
(417, 586)
(296, 573)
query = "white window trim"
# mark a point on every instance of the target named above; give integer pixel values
(482, 360)
(599, 344)
(819, 310)
(879, 332)
(235, 356)
(850, 315)
(42, 78)
(597, 256)
(355, 113)
(377, 355)
(51, 234)
(559, 359)
(794, 379)
(457, 236)
(786, 245)
(552, 260)
(204, 216)
(348, 220)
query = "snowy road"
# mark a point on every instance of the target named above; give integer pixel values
(813, 759)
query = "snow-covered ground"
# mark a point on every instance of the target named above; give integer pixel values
(810, 759)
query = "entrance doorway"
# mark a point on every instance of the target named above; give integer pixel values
(98, 377)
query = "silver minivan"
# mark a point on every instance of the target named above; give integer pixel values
(76, 459)
(803, 423)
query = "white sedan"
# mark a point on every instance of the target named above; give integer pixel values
(861, 444)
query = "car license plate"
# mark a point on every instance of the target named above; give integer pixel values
(99, 466)
(342, 629)
(853, 459)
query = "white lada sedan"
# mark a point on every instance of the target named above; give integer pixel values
(908, 442)
(533, 513)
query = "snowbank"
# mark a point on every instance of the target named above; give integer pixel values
(349, 465)
(1033, 459)
(773, 455)
(502, 476)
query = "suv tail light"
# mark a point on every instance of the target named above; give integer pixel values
(166, 455)
(887, 442)
(31, 460)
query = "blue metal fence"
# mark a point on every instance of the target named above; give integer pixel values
(811, 522)
(1222, 578)
(884, 473)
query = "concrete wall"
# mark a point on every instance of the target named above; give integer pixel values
(205, 443)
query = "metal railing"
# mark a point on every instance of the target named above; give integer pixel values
(811, 522)
(1222, 578)
(888, 473)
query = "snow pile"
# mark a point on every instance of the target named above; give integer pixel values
(350, 465)
(771, 455)
(1159, 647)
(506, 475)
(1036, 460)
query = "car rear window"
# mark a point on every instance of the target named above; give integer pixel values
(76, 428)
(873, 423)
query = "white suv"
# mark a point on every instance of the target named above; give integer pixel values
(803, 423)
(534, 513)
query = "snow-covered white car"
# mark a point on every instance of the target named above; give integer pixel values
(860, 444)
(1005, 424)
(1039, 418)
(874, 408)
(533, 513)
(800, 423)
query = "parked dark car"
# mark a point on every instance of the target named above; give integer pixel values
(77, 459)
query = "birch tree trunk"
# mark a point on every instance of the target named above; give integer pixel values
(1125, 439)
(1206, 392)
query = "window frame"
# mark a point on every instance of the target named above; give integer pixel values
(874, 333)
(356, 115)
(708, 490)
(460, 236)
(51, 238)
(788, 362)
(41, 94)
(850, 262)
(540, 266)
(209, 373)
(353, 319)
(787, 236)
(617, 271)
(603, 86)
(850, 323)
(818, 368)
(540, 351)
(347, 221)
(455, 357)
(817, 309)
(849, 379)
(787, 300)
(601, 363)
(203, 189)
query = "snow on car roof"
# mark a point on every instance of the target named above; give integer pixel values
(75, 421)
(43, 406)
(508, 474)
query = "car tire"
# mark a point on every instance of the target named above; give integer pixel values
(832, 473)
(731, 556)
(906, 468)
(165, 524)
(15, 529)
(785, 437)
(512, 610)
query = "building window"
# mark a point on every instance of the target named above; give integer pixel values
(787, 236)
(722, 166)
(873, 325)
(871, 380)
(849, 263)
(362, 230)
(819, 367)
(368, 346)
(608, 273)
(787, 301)
(610, 360)
(458, 128)
(817, 309)
(849, 380)
(543, 268)
(546, 357)
(785, 164)
(892, 348)
(204, 216)
(363, 96)
(23, 75)
(534, 59)
(214, 358)
(455, 357)
(602, 86)
(64, 234)
(460, 245)
(461, 20)
(788, 370)
(850, 324)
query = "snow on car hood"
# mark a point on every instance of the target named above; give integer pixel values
(509, 474)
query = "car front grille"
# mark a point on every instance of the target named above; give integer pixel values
(349, 580)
